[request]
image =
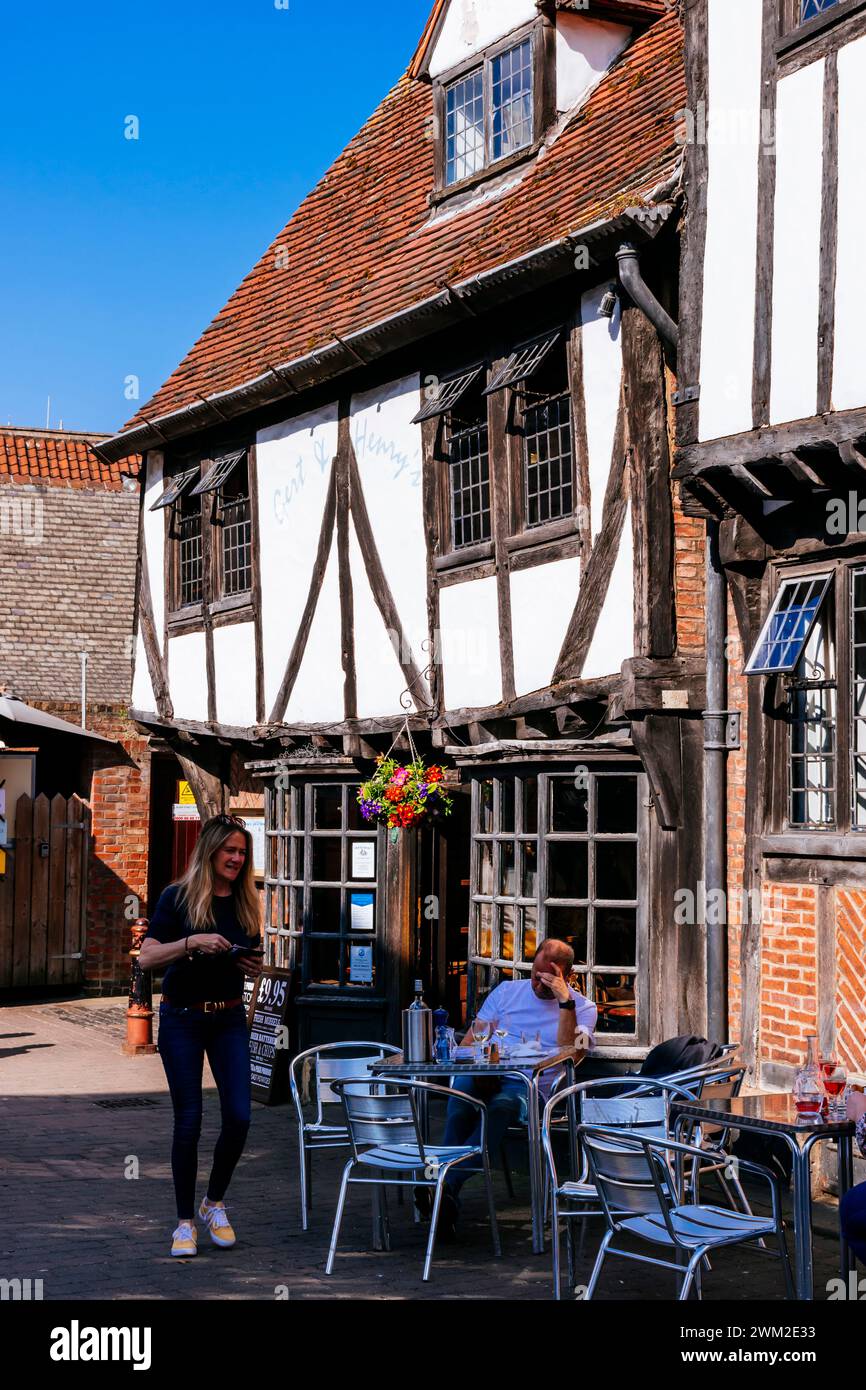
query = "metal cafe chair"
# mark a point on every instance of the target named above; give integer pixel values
(329, 1062)
(386, 1135)
(641, 1191)
(641, 1109)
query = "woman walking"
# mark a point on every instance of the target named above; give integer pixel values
(206, 930)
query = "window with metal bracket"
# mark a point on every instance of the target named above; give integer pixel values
(522, 364)
(219, 473)
(445, 395)
(786, 632)
(177, 486)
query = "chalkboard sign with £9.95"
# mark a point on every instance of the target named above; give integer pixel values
(269, 1051)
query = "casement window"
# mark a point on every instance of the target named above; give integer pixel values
(209, 531)
(813, 645)
(493, 109)
(543, 424)
(466, 444)
(798, 19)
(529, 438)
(323, 886)
(558, 854)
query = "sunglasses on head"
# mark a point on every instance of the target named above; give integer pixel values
(231, 820)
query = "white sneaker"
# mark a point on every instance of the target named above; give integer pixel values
(184, 1241)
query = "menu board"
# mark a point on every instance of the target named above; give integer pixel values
(269, 1050)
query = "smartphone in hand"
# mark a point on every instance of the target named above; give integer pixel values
(237, 952)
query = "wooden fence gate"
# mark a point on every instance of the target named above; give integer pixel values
(43, 895)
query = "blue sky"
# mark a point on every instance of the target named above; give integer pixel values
(116, 253)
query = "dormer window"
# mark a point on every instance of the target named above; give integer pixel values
(492, 109)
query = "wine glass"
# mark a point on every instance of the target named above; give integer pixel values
(835, 1077)
(480, 1033)
(502, 1033)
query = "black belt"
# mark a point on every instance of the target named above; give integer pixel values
(208, 1006)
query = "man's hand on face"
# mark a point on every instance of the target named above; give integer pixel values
(554, 980)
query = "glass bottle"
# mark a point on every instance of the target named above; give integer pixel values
(807, 1090)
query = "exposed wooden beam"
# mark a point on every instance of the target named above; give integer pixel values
(595, 579)
(155, 663)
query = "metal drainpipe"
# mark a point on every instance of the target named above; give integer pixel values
(641, 294)
(716, 745)
(83, 656)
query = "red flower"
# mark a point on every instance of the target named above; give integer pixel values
(435, 774)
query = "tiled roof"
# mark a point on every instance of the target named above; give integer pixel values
(364, 245)
(59, 457)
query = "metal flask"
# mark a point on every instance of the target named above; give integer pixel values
(418, 1034)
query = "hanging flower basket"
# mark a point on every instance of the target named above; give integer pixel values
(403, 795)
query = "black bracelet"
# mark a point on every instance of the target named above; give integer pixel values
(568, 1004)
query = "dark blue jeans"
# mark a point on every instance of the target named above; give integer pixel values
(185, 1036)
(463, 1123)
(852, 1214)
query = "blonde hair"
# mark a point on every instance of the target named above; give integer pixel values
(196, 884)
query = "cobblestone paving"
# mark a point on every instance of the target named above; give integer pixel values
(89, 1231)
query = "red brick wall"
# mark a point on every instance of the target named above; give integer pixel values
(851, 977)
(736, 818)
(689, 534)
(119, 795)
(789, 971)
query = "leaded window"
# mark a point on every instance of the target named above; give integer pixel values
(810, 9)
(467, 449)
(234, 523)
(812, 716)
(187, 530)
(322, 886)
(557, 854)
(786, 632)
(548, 456)
(489, 112)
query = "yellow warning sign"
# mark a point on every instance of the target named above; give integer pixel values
(184, 794)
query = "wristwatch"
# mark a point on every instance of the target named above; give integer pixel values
(568, 1004)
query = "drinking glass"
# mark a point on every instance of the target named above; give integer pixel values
(835, 1079)
(502, 1034)
(480, 1033)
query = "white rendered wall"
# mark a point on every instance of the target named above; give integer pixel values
(234, 651)
(154, 541)
(849, 380)
(294, 463)
(602, 379)
(187, 676)
(542, 602)
(585, 49)
(614, 635)
(469, 644)
(318, 695)
(730, 257)
(388, 450)
(472, 25)
(797, 243)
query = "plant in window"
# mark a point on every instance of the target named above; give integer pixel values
(402, 795)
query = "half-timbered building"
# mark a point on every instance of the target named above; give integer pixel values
(772, 453)
(415, 477)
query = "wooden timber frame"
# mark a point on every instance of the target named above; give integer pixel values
(649, 710)
(767, 488)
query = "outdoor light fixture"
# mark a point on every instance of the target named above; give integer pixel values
(607, 308)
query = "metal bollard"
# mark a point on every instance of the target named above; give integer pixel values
(139, 1014)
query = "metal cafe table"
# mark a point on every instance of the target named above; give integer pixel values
(777, 1116)
(527, 1071)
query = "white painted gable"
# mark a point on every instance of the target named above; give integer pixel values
(585, 49)
(470, 26)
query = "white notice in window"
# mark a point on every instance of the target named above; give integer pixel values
(363, 859)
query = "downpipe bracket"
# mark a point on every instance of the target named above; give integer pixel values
(722, 731)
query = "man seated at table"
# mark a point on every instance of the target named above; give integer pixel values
(544, 1005)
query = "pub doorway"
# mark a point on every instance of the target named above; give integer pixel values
(443, 908)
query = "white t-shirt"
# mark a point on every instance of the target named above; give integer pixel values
(516, 1006)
